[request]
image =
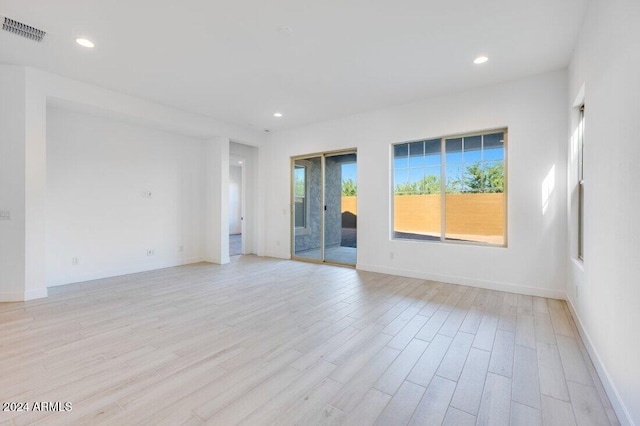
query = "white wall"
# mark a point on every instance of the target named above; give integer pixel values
(532, 108)
(22, 184)
(235, 199)
(97, 170)
(605, 291)
(12, 182)
(26, 93)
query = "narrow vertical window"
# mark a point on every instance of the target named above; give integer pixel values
(300, 195)
(581, 184)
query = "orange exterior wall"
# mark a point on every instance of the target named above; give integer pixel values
(349, 204)
(467, 214)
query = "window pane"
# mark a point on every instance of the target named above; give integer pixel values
(455, 178)
(400, 180)
(415, 175)
(494, 140)
(472, 150)
(416, 149)
(401, 155)
(300, 213)
(416, 154)
(475, 203)
(417, 192)
(493, 154)
(454, 151)
(433, 155)
(300, 180)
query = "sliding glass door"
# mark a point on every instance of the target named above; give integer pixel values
(307, 208)
(324, 213)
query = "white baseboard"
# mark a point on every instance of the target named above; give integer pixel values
(133, 269)
(490, 285)
(616, 401)
(277, 255)
(12, 297)
(20, 296)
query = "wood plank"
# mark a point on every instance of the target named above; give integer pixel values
(311, 403)
(429, 330)
(426, 367)
(525, 375)
(575, 367)
(587, 406)
(495, 406)
(502, 355)
(486, 333)
(556, 412)
(353, 392)
(468, 392)
(401, 407)
(408, 332)
(368, 410)
(552, 381)
(524, 415)
(457, 417)
(453, 361)
(392, 379)
(525, 331)
(432, 409)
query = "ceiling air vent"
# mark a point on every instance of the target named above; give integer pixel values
(21, 29)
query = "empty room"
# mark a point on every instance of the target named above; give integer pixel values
(319, 213)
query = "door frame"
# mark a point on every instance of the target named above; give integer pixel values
(238, 161)
(292, 243)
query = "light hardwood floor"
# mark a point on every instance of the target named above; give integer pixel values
(263, 341)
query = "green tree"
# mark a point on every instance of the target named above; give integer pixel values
(427, 185)
(405, 188)
(299, 181)
(479, 179)
(349, 188)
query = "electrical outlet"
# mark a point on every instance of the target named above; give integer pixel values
(146, 194)
(75, 261)
(151, 252)
(5, 215)
(391, 255)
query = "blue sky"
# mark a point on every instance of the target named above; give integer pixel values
(349, 172)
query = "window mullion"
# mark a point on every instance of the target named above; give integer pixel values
(443, 188)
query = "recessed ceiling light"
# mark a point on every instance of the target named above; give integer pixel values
(480, 60)
(239, 162)
(277, 114)
(85, 43)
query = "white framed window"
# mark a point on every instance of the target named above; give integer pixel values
(451, 188)
(301, 201)
(581, 184)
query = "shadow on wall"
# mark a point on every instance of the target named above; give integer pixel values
(349, 220)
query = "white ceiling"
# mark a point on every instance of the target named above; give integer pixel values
(229, 60)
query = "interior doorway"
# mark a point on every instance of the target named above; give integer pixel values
(236, 206)
(324, 213)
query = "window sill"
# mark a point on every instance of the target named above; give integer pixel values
(458, 243)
